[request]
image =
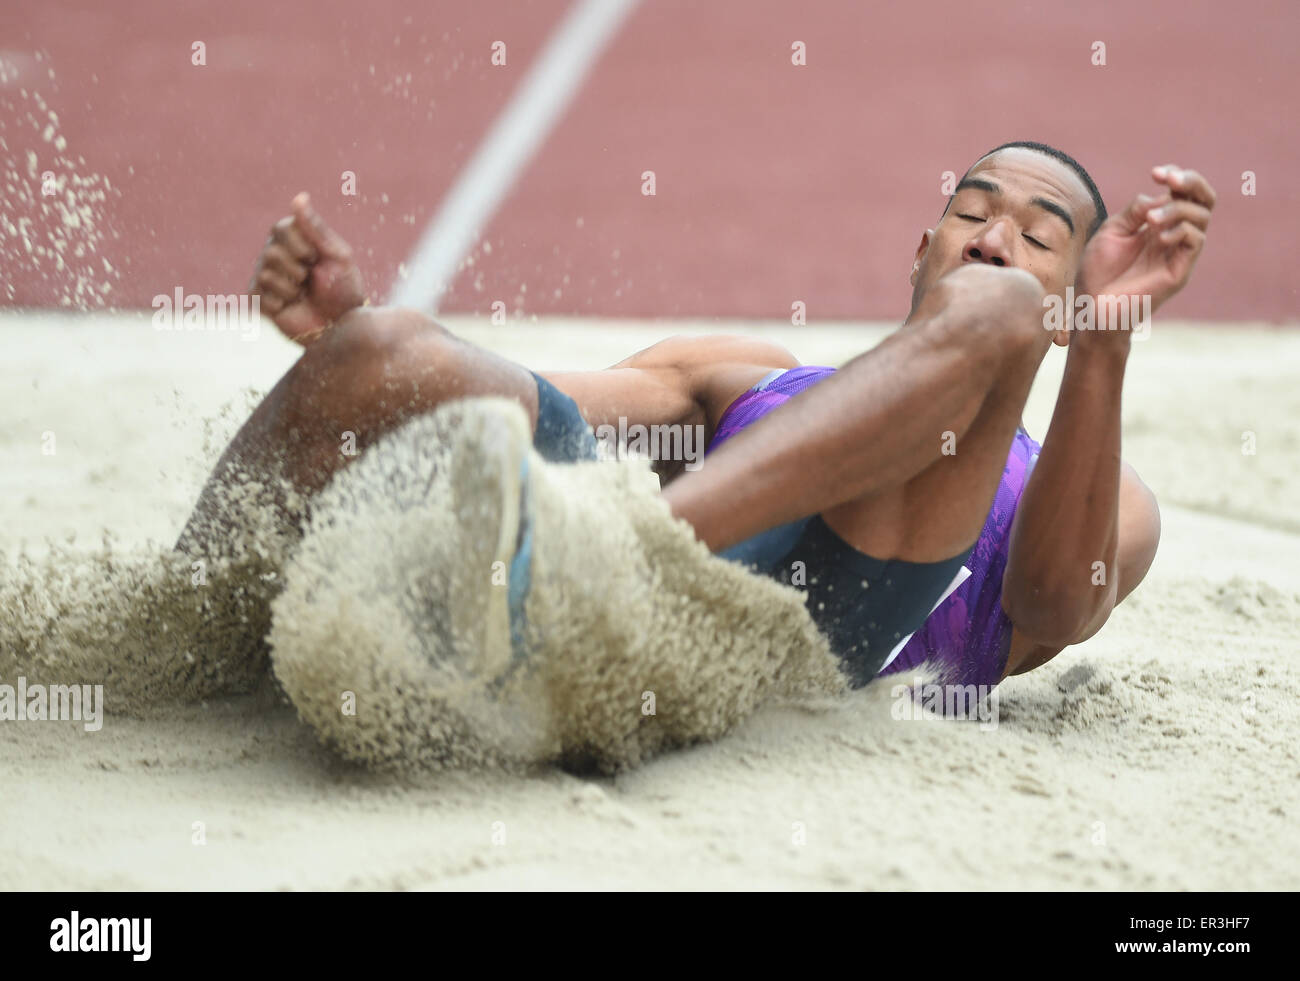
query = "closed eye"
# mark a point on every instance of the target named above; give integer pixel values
(1029, 238)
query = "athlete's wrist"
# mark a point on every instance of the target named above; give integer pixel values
(1106, 327)
(1108, 349)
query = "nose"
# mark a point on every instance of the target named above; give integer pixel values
(991, 246)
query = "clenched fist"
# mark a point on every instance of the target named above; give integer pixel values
(306, 276)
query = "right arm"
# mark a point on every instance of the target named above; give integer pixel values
(306, 278)
(679, 380)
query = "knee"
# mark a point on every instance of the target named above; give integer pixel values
(996, 312)
(356, 362)
(371, 345)
(372, 336)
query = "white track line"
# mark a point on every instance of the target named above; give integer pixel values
(537, 104)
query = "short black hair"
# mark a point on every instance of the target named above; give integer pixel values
(1098, 204)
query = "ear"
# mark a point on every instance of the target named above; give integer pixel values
(1061, 336)
(921, 250)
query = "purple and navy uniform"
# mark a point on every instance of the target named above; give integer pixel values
(968, 636)
(876, 613)
(882, 614)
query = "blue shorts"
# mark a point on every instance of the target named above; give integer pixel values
(865, 606)
(562, 435)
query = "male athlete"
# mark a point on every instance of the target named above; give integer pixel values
(884, 481)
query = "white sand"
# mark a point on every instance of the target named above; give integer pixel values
(1160, 754)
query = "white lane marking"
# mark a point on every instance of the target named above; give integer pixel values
(962, 575)
(537, 104)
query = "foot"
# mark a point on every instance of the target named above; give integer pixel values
(488, 474)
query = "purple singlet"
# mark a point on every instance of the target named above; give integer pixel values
(967, 637)
(775, 390)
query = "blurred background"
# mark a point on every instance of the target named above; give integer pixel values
(128, 171)
(774, 182)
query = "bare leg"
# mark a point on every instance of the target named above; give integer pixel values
(843, 447)
(860, 447)
(375, 369)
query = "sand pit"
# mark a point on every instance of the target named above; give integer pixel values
(1158, 755)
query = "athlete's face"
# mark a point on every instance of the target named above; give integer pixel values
(1016, 207)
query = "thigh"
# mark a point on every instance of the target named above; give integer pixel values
(368, 374)
(939, 512)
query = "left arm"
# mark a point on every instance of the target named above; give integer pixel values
(1062, 569)
(1081, 505)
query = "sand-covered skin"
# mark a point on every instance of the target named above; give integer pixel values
(392, 635)
(1160, 754)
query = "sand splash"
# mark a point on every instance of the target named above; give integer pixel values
(54, 214)
(154, 625)
(384, 616)
(639, 639)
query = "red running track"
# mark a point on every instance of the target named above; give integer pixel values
(775, 183)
